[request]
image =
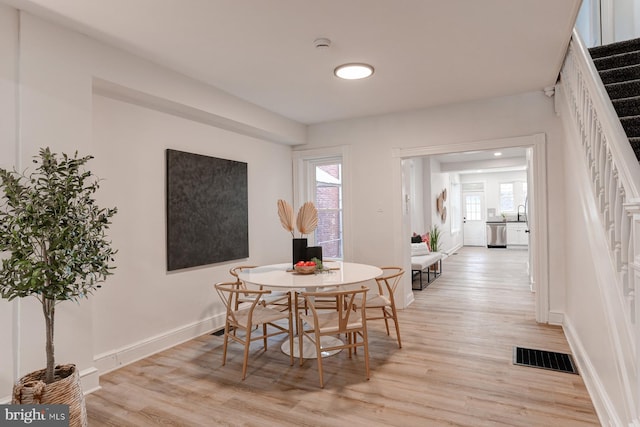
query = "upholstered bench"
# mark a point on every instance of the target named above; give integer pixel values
(421, 262)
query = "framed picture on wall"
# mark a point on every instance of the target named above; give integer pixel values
(207, 210)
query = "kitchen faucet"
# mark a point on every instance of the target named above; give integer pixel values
(524, 211)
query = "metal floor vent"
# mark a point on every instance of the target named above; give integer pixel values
(560, 362)
(218, 333)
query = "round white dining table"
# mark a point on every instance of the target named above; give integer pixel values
(281, 276)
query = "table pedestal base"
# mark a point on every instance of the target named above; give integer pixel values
(309, 348)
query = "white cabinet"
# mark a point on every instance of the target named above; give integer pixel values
(516, 233)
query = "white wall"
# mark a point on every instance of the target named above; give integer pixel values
(57, 107)
(438, 182)
(626, 19)
(135, 138)
(8, 78)
(588, 22)
(373, 140)
(418, 192)
(617, 19)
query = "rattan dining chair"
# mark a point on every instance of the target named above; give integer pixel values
(249, 316)
(344, 320)
(275, 298)
(383, 305)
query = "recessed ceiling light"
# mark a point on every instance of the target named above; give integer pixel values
(353, 71)
(497, 154)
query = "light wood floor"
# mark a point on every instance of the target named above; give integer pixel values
(455, 368)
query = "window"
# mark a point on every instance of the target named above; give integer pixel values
(512, 196)
(507, 202)
(473, 207)
(328, 201)
(320, 178)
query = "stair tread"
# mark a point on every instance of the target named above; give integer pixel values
(627, 106)
(618, 60)
(613, 48)
(635, 145)
(629, 99)
(631, 126)
(613, 75)
(624, 89)
(619, 67)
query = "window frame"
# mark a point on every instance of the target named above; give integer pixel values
(477, 205)
(519, 192)
(304, 162)
(513, 196)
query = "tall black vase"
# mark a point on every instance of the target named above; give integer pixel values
(314, 252)
(299, 250)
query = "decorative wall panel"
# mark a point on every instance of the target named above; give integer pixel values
(207, 210)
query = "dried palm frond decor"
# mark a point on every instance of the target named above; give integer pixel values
(307, 219)
(306, 222)
(285, 212)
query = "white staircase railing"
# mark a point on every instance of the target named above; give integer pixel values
(615, 180)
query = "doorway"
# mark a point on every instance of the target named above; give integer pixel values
(537, 217)
(473, 218)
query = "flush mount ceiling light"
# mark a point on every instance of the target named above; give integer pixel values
(497, 154)
(353, 71)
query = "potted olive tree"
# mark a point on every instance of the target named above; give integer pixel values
(52, 235)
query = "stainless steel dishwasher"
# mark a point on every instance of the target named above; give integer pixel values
(496, 235)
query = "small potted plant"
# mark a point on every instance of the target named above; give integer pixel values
(54, 235)
(434, 238)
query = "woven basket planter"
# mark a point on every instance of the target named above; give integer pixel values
(65, 390)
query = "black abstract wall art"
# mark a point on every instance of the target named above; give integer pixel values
(207, 210)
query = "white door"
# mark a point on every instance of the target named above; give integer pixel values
(474, 221)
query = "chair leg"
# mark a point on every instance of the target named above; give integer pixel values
(264, 334)
(247, 343)
(386, 319)
(319, 357)
(300, 339)
(365, 340)
(395, 321)
(224, 345)
(290, 336)
(295, 309)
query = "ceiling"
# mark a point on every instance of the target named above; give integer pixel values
(425, 52)
(509, 159)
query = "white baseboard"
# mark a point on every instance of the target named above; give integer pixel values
(89, 380)
(454, 249)
(409, 299)
(109, 361)
(601, 401)
(555, 318)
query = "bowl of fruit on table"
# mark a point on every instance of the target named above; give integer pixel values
(305, 267)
